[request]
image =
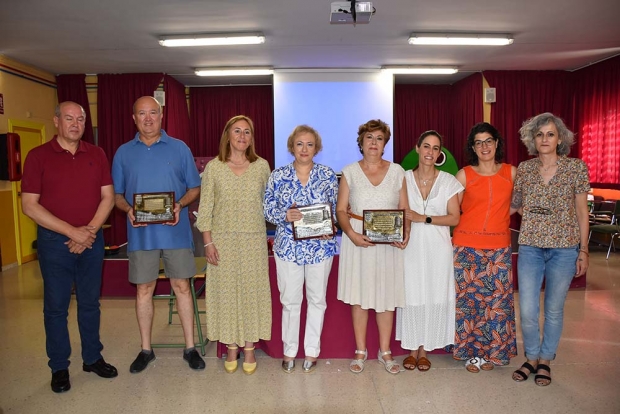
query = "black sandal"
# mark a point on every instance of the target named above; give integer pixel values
(542, 376)
(522, 374)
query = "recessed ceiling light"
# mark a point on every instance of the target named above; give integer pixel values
(460, 39)
(233, 71)
(420, 70)
(212, 39)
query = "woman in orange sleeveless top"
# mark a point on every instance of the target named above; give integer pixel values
(485, 318)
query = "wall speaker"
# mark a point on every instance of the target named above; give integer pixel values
(10, 157)
(489, 95)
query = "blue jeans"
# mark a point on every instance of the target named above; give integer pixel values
(61, 270)
(557, 267)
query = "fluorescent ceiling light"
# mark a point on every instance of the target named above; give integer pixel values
(460, 39)
(212, 39)
(420, 70)
(233, 71)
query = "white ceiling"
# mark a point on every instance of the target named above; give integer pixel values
(120, 36)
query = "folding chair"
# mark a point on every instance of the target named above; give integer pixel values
(202, 341)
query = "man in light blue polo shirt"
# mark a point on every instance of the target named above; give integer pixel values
(154, 162)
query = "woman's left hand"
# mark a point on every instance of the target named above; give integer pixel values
(328, 237)
(414, 217)
(583, 260)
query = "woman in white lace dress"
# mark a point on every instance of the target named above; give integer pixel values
(370, 276)
(427, 322)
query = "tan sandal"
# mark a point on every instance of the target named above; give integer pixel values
(424, 362)
(410, 363)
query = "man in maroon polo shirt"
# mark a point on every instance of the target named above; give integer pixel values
(67, 190)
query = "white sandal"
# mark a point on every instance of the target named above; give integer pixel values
(486, 365)
(473, 365)
(389, 364)
(358, 363)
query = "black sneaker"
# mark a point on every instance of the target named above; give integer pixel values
(194, 360)
(141, 361)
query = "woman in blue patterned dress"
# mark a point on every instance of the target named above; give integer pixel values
(301, 183)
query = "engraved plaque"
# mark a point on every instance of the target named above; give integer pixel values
(384, 226)
(153, 208)
(317, 221)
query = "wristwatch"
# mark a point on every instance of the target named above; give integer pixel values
(429, 219)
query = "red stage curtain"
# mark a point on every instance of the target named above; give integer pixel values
(451, 110)
(419, 108)
(597, 99)
(524, 94)
(73, 88)
(176, 113)
(212, 107)
(116, 95)
(467, 111)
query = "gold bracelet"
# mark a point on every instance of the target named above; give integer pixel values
(583, 251)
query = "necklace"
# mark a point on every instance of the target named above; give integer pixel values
(237, 164)
(545, 169)
(425, 182)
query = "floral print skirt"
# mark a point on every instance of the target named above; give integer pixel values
(238, 293)
(485, 315)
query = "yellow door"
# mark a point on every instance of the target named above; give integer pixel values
(31, 135)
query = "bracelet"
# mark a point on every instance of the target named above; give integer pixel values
(208, 244)
(583, 251)
(181, 204)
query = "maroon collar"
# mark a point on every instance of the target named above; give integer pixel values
(56, 146)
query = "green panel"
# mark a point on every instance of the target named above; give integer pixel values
(447, 164)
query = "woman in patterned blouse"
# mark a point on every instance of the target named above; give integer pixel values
(551, 193)
(301, 183)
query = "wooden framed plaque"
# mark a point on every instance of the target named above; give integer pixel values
(153, 208)
(317, 221)
(384, 226)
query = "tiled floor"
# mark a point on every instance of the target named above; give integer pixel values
(586, 373)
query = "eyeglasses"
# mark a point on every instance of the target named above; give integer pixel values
(487, 143)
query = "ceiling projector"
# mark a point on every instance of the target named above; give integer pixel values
(342, 13)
